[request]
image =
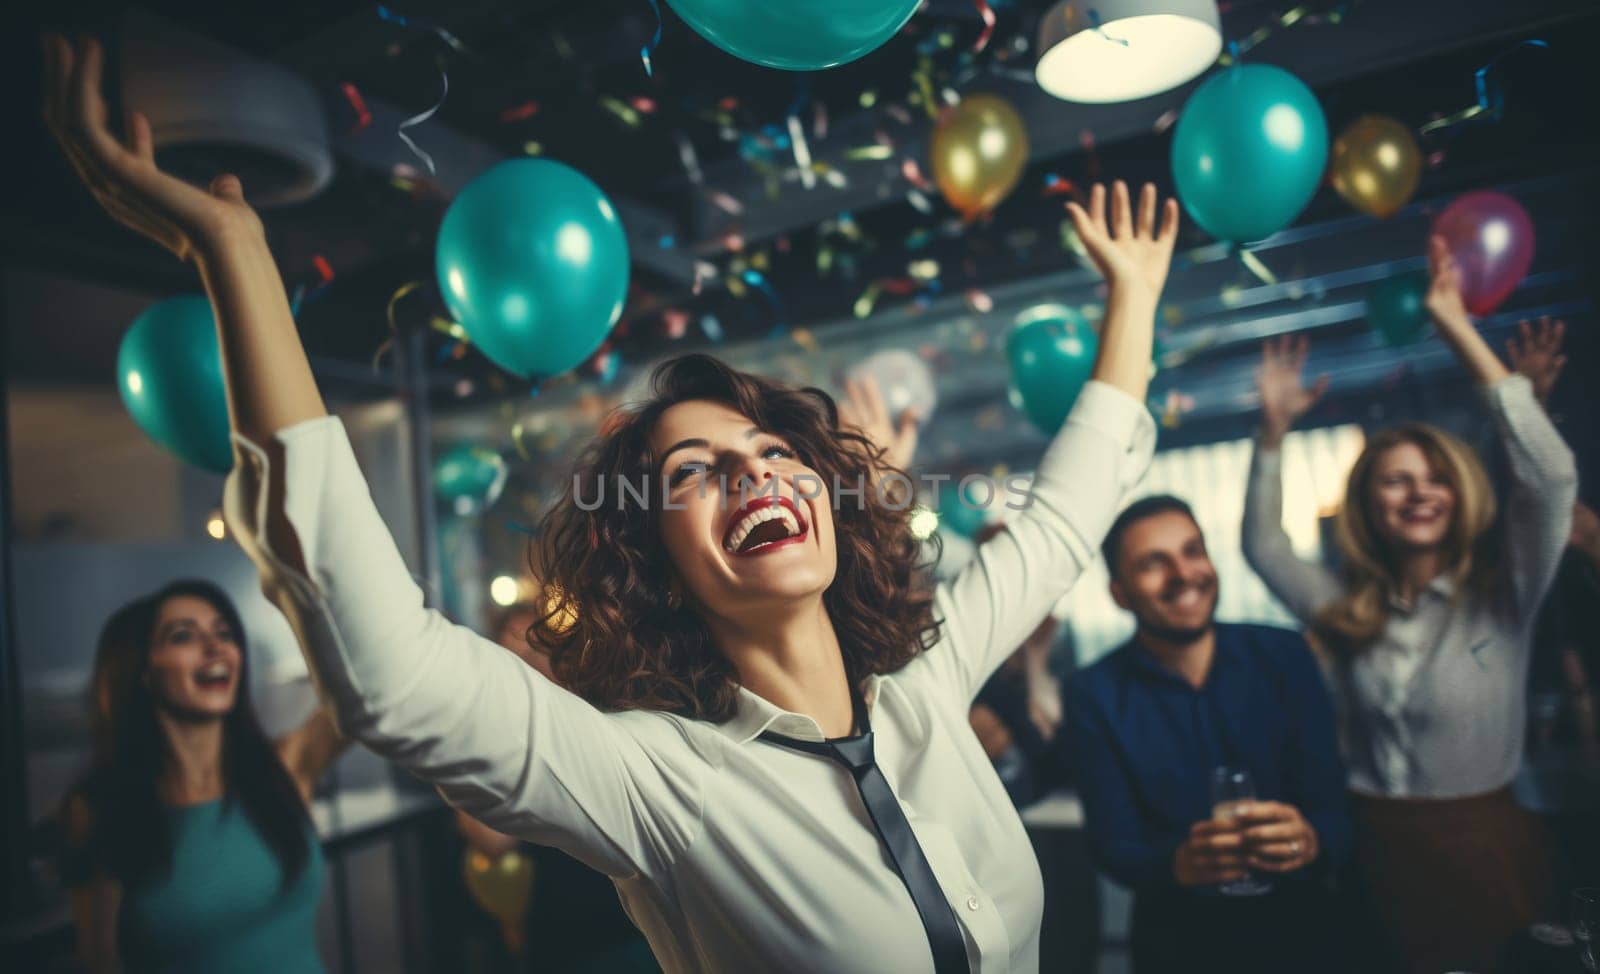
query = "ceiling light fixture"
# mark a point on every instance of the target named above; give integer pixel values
(1102, 51)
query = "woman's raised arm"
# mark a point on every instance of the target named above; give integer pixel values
(269, 380)
(1099, 454)
(497, 738)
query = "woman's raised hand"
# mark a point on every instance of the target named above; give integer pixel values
(1536, 353)
(1284, 396)
(865, 411)
(124, 179)
(1131, 252)
(1443, 299)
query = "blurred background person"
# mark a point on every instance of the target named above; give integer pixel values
(1150, 724)
(189, 846)
(1430, 623)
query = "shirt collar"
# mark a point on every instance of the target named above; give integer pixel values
(1442, 585)
(755, 714)
(1145, 662)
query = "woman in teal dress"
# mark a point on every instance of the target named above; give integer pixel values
(189, 843)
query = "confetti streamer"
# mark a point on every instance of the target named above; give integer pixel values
(624, 113)
(802, 153)
(757, 280)
(1256, 267)
(869, 153)
(712, 327)
(868, 300)
(519, 113)
(427, 160)
(979, 301)
(924, 81)
(1095, 25)
(359, 105)
(655, 42)
(1166, 120)
(1491, 100)
(919, 201)
(987, 13)
(394, 17)
(394, 329)
(691, 161)
(913, 174)
(324, 269)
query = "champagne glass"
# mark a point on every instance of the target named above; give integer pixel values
(1586, 925)
(1232, 789)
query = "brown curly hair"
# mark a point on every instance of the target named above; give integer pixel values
(612, 636)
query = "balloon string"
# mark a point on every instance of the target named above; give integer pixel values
(649, 49)
(987, 13)
(427, 160)
(1490, 100)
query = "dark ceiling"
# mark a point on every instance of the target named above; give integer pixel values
(569, 78)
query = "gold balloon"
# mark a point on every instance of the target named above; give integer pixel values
(979, 150)
(501, 886)
(1376, 165)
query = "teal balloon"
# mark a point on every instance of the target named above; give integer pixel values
(1051, 359)
(469, 477)
(967, 516)
(796, 35)
(1396, 311)
(1249, 152)
(169, 371)
(533, 263)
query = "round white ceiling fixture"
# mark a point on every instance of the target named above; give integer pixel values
(1101, 51)
(214, 110)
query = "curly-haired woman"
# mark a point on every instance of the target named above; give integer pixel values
(1430, 624)
(765, 741)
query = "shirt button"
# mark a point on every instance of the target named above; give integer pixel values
(972, 903)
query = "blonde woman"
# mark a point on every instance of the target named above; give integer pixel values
(1430, 629)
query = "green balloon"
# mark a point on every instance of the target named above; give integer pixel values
(1249, 152)
(795, 35)
(1396, 308)
(533, 263)
(1051, 358)
(469, 477)
(966, 512)
(169, 371)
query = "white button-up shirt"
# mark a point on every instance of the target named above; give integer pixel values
(729, 853)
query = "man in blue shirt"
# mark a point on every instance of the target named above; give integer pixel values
(1147, 726)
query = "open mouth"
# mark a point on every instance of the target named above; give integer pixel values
(764, 524)
(217, 676)
(1419, 515)
(1188, 597)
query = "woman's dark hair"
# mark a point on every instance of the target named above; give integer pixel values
(116, 823)
(612, 635)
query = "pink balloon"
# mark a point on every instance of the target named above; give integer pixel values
(1491, 238)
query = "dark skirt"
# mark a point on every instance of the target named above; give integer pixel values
(1450, 882)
